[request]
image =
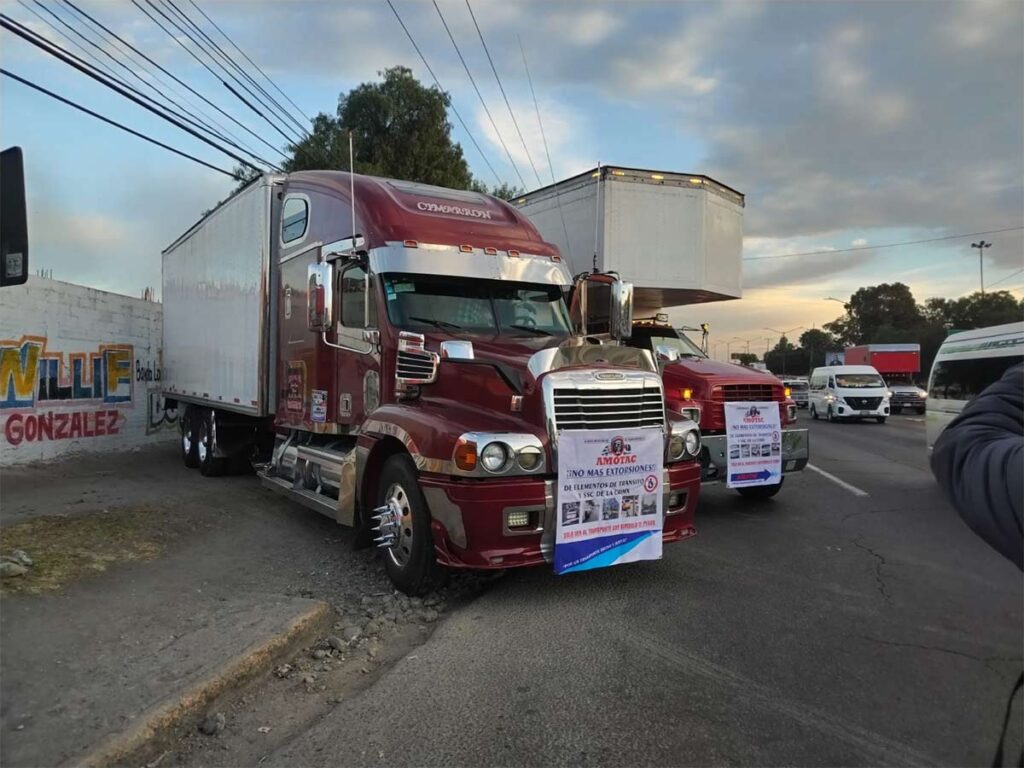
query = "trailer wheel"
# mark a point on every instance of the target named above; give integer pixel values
(189, 441)
(410, 561)
(206, 446)
(761, 492)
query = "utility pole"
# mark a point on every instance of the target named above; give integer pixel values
(783, 336)
(981, 245)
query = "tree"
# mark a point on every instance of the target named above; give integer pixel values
(744, 358)
(817, 343)
(786, 359)
(400, 130)
(979, 310)
(879, 313)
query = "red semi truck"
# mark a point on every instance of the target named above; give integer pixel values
(406, 359)
(898, 364)
(678, 238)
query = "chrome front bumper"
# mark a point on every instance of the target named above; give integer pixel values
(796, 450)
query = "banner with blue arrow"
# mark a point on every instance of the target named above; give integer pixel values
(754, 436)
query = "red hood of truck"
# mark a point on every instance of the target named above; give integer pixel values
(720, 373)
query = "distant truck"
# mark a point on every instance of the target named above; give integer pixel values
(405, 359)
(679, 239)
(898, 364)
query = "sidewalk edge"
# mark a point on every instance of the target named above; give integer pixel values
(161, 719)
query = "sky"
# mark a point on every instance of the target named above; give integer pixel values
(845, 125)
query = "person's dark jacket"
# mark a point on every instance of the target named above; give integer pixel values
(979, 462)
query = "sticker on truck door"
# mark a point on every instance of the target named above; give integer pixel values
(296, 385)
(318, 405)
(609, 498)
(754, 437)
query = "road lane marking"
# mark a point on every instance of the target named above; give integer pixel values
(841, 483)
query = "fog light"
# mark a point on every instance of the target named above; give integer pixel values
(673, 500)
(518, 518)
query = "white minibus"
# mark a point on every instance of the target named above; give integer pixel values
(838, 392)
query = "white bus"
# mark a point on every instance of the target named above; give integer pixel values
(966, 363)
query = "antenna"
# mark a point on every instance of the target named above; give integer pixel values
(352, 187)
(597, 214)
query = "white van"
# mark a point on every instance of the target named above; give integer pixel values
(966, 363)
(848, 392)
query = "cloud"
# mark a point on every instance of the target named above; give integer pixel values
(585, 28)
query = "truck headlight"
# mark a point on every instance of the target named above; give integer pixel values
(676, 447)
(529, 458)
(494, 457)
(692, 442)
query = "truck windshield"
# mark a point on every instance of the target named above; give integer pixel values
(859, 380)
(652, 338)
(475, 306)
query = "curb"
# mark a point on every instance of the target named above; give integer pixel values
(158, 722)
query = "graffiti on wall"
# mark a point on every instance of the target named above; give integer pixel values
(158, 415)
(40, 390)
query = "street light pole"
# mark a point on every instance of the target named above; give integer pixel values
(981, 245)
(784, 335)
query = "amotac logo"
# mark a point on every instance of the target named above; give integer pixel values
(457, 210)
(618, 451)
(753, 416)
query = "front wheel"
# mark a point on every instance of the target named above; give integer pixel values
(761, 492)
(814, 412)
(880, 419)
(896, 411)
(920, 411)
(831, 416)
(402, 512)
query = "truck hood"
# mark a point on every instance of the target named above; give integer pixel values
(905, 388)
(712, 369)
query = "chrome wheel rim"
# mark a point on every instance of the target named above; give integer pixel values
(398, 500)
(186, 440)
(204, 442)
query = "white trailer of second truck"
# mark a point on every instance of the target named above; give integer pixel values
(677, 237)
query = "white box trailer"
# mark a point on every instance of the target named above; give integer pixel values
(677, 237)
(217, 283)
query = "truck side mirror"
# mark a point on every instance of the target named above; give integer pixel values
(319, 298)
(602, 304)
(666, 354)
(13, 221)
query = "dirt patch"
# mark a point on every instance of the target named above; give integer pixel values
(64, 548)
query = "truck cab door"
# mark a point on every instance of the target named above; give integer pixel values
(356, 332)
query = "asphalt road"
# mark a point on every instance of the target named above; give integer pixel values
(856, 622)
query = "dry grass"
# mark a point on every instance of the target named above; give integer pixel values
(66, 547)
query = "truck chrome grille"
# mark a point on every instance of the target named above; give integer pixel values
(731, 393)
(611, 408)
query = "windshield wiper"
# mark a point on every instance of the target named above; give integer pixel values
(531, 329)
(436, 323)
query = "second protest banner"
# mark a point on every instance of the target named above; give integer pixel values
(609, 498)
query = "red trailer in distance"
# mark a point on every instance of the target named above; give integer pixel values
(899, 364)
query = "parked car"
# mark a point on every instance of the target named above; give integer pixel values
(797, 387)
(853, 392)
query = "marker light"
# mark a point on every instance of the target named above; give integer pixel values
(657, 176)
(513, 252)
(411, 244)
(618, 173)
(491, 251)
(787, 391)
(494, 457)
(686, 392)
(466, 248)
(465, 455)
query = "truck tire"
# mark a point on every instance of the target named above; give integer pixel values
(206, 445)
(920, 411)
(410, 563)
(880, 419)
(761, 492)
(189, 440)
(831, 416)
(896, 410)
(814, 412)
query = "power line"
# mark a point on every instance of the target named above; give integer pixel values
(202, 63)
(174, 77)
(70, 59)
(265, 75)
(886, 245)
(116, 124)
(478, 94)
(544, 138)
(276, 106)
(443, 91)
(167, 103)
(501, 88)
(1004, 279)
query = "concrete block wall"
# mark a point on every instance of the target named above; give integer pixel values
(79, 371)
